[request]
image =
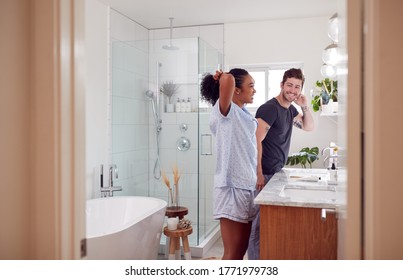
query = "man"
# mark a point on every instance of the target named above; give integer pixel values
(276, 119)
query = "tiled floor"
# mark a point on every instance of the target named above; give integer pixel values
(214, 253)
(217, 250)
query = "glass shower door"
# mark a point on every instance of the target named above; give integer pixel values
(129, 117)
(209, 59)
(139, 69)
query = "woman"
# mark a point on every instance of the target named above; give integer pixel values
(235, 179)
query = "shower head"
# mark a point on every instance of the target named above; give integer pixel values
(170, 47)
(150, 94)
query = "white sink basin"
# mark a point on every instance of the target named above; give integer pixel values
(309, 193)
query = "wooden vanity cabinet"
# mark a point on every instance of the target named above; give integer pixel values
(297, 233)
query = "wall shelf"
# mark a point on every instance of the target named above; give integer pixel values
(322, 114)
(330, 116)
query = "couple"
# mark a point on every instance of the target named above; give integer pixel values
(249, 150)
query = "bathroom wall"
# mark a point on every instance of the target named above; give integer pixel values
(97, 89)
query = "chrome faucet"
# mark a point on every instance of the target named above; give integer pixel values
(332, 157)
(113, 174)
(324, 150)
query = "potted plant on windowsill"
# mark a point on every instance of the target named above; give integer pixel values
(326, 96)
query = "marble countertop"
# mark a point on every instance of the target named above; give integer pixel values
(304, 188)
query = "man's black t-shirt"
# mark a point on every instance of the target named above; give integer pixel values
(276, 144)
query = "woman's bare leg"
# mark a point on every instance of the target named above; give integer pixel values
(235, 236)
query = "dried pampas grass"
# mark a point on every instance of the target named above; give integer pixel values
(176, 184)
(168, 184)
(176, 174)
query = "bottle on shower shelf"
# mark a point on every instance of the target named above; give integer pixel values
(183, 106)
(188, 106)
(178, 105)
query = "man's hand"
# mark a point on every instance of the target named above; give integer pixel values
(301, 101)
(260, 182)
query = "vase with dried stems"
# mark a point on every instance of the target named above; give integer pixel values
(173, 193)
(168, 184)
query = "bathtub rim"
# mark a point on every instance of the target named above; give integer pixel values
(161, 204)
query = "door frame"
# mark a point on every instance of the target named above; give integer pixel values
(58, 129)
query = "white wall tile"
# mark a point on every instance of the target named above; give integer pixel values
(118, 54)
(169, 136)
(122, 28)
(188, 160)
(169, 118)
(188, 118)
(141, 37)
(168, 158)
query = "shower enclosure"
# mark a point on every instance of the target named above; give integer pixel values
(148, 139)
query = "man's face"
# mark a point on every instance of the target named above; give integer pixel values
(291, 89)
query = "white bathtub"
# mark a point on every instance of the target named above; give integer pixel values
(126, 227)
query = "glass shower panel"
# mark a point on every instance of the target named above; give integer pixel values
(178, 66)
(140, 139)
(184, 66)
(209, 60)
(128, 107)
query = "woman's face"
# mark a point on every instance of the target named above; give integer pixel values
(247, 91)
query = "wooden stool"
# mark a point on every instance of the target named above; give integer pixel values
(176, 211)
(174, 242)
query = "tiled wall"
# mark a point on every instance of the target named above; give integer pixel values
(128, 104)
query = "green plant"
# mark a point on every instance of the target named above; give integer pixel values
(326, 90)
(304, 156)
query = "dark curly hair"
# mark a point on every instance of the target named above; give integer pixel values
(210, 88)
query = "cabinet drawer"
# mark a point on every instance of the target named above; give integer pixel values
(297, 233)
